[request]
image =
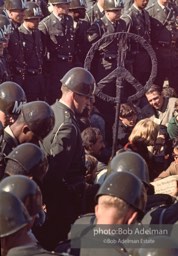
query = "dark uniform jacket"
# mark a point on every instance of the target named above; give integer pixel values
(64, 145)
(58, 36)
(26, 51)
(137, 22)
(163, 24)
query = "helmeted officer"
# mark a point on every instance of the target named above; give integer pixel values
(14, 9)
(164, 35)
(27, 159)
(14, 223)
(26, 190)
(159, 207)
(95, 12)
(34, 123)
(58, 38)
(5, 31)
(26, 54)
(12, 97)
(121, 200)
(138, 22)
(77, 11)
(105, 58)
(131, 162)
(66, 157)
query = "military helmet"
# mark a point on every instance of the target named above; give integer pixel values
(77, 4)
(125, 186)
(12, 96)
(80, 81)
(31, 158)
(5, 27)
(13, 214)
(15, 4)
(112, 5)
(39, 117)
(131, 162)
(59, 1)
(24, 189)
(32, 11)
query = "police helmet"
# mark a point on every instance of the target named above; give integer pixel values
(77, 4)
(112, 5)
(31, 158)
(80, 81)
(131, 162)
(127, 187)
(5, 28)
(24, 189)
(59, 2)
(12, 96)
(32, 11)
(39, 117)
(11, 5)
(13, 214)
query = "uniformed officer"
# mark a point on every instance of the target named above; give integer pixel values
(14, 231)
(77, 11)
(138, 22)
(115, 205)
(12, 97)
(5, 30)
(58, 38)
(27, 159)
(35, 121)
(65, 177)
(95, 12)
(26, 54)
(14, 9)
(27, 191)
(105, 59)
(164, 35)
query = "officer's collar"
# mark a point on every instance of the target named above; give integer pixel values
(30, 31)
(162, 6)
(61, 101)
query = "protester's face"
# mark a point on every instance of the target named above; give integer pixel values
(97, 148)
(130, 120)
(155, 99)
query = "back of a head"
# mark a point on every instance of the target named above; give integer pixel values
(24, 189)
(39, 117)
(12, 96)
(80, 81)
(13, 214)
(131, 162)
(31, 159)
(127, 187)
